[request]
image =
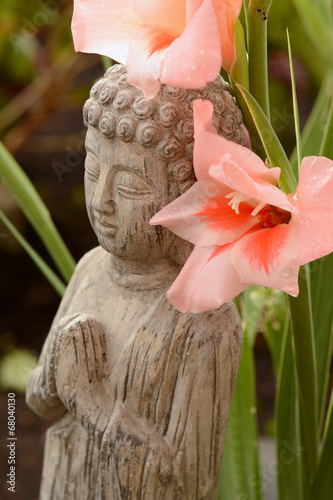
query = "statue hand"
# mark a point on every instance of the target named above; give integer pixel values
(81, 368)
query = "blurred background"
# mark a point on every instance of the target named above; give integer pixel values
(43, 86)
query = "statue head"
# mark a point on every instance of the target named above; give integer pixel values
(139, 158)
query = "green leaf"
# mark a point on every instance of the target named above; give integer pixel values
(323, 483)
(240, 477)
(313, 131)
(52, 278)
(318, 27)
(326, 147)
(276, 315)
(305, 366)
(35, 210)
(295, 107)
(275, 152)
(289, 451)
(239, 70)
(321, 296)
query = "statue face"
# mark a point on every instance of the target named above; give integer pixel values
(125, 185)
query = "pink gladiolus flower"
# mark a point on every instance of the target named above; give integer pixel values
(178, 42)
(245, 230)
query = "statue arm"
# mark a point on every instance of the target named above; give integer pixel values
(41, 394)
(202, 398)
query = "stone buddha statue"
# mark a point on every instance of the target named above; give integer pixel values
(139, 394)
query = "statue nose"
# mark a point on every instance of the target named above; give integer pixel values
(102, 200)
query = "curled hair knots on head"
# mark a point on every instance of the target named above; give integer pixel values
(189, 150)
(229, 101)
(184, 130)
(95, 89)
(148, 133)
(167, 114)
(227, 124)
(169, 148)
(107, 124)
(185, 186)
(217, 101)
(143, 108)
(115, 71)
(239, 136)
(216, 86)
(123, 99)
(92, 112)
(174, 94)
(107, 93)
(125, 128)
(180, 170)
(122, 80)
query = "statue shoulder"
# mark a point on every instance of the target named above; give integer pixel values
(217, 323)
(86, 267)
(89, 258)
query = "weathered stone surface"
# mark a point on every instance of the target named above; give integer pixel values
(139, 393)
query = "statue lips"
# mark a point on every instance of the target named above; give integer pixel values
(104, 227)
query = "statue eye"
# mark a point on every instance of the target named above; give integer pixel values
(92, 167)
(131, 185)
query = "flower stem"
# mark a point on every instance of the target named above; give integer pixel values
(257, 12)
(304, 358)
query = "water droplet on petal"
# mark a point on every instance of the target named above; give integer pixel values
(314, 177)
(188, 78)
(194, 67)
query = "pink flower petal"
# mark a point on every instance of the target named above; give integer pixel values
(207, 281)
(314, 227)
(194, 58)
(203, 216)
(238, 179)
(144, 60)
(105, 30)
(209, 147)
(167, 15)
(268, 258)
(227, 13)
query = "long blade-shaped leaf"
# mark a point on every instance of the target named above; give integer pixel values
(318, 27)
(289, 452)
(306, 374)
(295, 107)
(33, 207)
(240, 476)
(272, 145)
(312, 133)
(323, 483)
(52, 278)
